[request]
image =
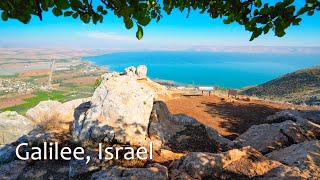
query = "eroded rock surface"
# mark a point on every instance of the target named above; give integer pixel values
(305, 156)
(67, 111)
(141, 72)
(244, 163)
(153, 171)
(43, 112)
(269, 137)
(120, 110)
(13, 126)
(12, 171)
(182, 133)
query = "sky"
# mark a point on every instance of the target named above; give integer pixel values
(174, 32)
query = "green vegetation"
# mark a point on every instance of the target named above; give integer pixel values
(98, 82)
(9, 76)
(297, 87)
(61, 96)
(256, 16)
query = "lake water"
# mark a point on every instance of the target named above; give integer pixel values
(230, 70)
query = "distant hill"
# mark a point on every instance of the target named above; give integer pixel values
(299, 87)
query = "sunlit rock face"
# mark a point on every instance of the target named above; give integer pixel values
(141, 72)
(269, 137)
(43, 111)
(305, 156)
(13, 126)
(244, 163)
(119, 111)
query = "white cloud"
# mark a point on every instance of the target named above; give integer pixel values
(111, 36)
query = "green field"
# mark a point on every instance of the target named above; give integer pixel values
(60, 96)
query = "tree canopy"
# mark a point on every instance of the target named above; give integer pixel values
(255, 15)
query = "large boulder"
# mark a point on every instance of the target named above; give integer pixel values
(286, 173)
(244, 163)
(119, 111)
(152, 171)
(66, 111)
(312, 115)
(43, 112)
(53, 115)
(269, 137)
(181, 133)
(305, 156)
(300, 117)
(12, 126)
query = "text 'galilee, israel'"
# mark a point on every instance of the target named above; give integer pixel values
(52, 151)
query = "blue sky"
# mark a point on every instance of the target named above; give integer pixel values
(172, 32)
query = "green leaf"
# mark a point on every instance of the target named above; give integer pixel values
(4, 16)
(104, 12)
(258, 3)
(153, 14)
(100, 8)
(139, 33)
(128, 22)
(44, 5)
(310, 13)
(85, 18)
(252, 37)
(68, 13)
(57, 11)
(266, 29)
(75, 15)
(296, 21)
(63, 4)
(280, 33)
(288, 2)
(226, 21)
(144, 21)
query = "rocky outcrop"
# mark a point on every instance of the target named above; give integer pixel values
(141, 72)
(181, 133)
(7, 153)
(305, 156)
(77, 168)
(162, 93)
(47, 111)
(312, 115)
(36, 137)
(286, 172)
(138, 73)
(119, 111)
(67, 111)
(244, 163)
(308, 119)
(12, 171)
(13, 126)
(43, 112)
(130, 71)
(269, 137)
(153, 171)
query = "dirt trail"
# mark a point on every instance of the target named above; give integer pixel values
(229, 119)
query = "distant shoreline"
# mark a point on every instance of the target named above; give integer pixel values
(227, 70)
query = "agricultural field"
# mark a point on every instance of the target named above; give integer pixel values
(24, 77)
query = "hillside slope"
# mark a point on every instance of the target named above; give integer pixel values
(302, 86)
